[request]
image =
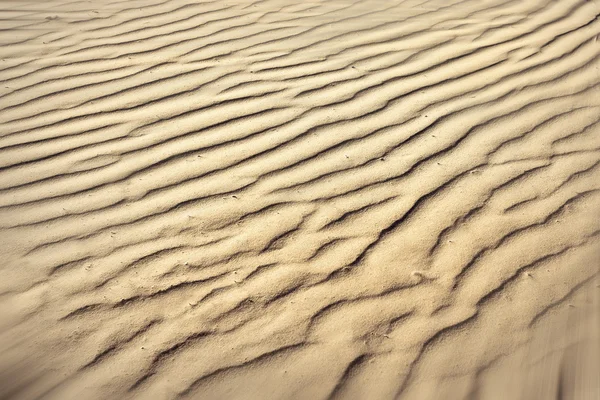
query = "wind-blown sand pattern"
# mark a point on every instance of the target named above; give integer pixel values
(279, 199)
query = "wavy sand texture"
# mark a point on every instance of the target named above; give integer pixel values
(281, 199)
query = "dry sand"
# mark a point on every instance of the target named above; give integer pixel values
(280, 199)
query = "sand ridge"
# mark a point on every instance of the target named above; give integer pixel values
(255, 199)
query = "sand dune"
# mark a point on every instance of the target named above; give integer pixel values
(277, 199)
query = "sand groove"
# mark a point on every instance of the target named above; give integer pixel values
(282, 199)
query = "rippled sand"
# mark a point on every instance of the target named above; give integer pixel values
(281, 199)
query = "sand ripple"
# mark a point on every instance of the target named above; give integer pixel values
(278, 199)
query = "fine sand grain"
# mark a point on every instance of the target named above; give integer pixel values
(286, 199)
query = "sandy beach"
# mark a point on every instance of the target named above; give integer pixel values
(285, 199)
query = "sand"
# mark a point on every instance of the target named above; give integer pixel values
(280, 199)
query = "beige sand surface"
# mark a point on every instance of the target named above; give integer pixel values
(286, 199)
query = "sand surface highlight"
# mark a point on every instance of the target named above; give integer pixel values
(279, 199)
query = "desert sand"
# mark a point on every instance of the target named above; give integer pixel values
(282, 199)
